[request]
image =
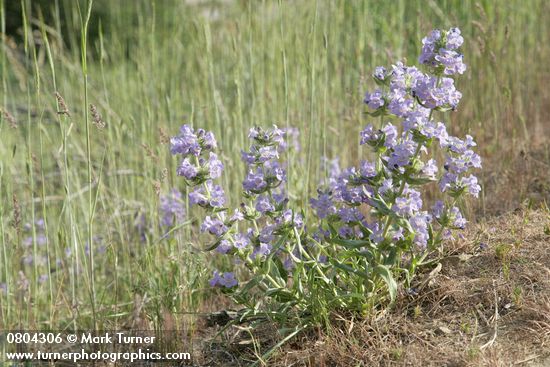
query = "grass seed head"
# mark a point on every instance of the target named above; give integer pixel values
(62, 106)
(96, 117)
(9, 118)
(16, 215)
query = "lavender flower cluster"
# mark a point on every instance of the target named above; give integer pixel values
(366, 217)
(265, 212)
(389, 184)
(172, 208)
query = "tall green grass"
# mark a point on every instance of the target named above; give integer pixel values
(225, 66)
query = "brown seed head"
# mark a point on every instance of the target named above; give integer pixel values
(62, 106)
(16, 215)
(163, 174)
(9, 118)
(149, 152)
(156, 187)
(164, 138)
(96, 117)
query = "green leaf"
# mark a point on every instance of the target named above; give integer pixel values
(378, 112)
(365, 253)
(385, 273)
(214, 246)
(392, 257)
(280, 294)
(350, 243)
(351, 270)
(418, 181)
(282, 273)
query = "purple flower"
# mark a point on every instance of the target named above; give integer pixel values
(348, 215)
(274, 172)
(214, 226)
(320, 234)
(377, 235)
(255, 181)
(289, 217)
(438, 209)
(374, 100)
(294, 134)
(369, 134)
(353, 194)
(237, 216)
(434, 94)
(367, 169)
(255, 132)
(379, 73)
(323, 205)
(403, 78)
(266, 233)
(277, 135)
(452, 61)
(226, 280)
(390, 132)
(457, 145)
(471, 185)
(429, 129)
(345, 232)
(387, 185)
(264, 205)
(207, 139)
(267, 153)
(400, 106)
(401, 154)
(332, 167)
(263, 250)
(429, 47)
(186, 142)
(172, 208)
(462, 162)
(224, 247)
(198, 197)
(279, 198)
(248, 157)
(430, 168)
(454, 39)
(408, 204)
(215, 166)
(288, 264)
(447, 180)
(458, 219)
(419, 223)
(212, 196)
(416, 120)
(398, 234)
(40, 224)
(438, 49)
(187, 169)
(241, 241)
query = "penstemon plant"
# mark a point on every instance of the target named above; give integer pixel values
(371, 229)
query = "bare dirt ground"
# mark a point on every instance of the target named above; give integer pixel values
(487, 305)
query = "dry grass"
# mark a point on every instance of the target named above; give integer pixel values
(507, 182)
(487, 305)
